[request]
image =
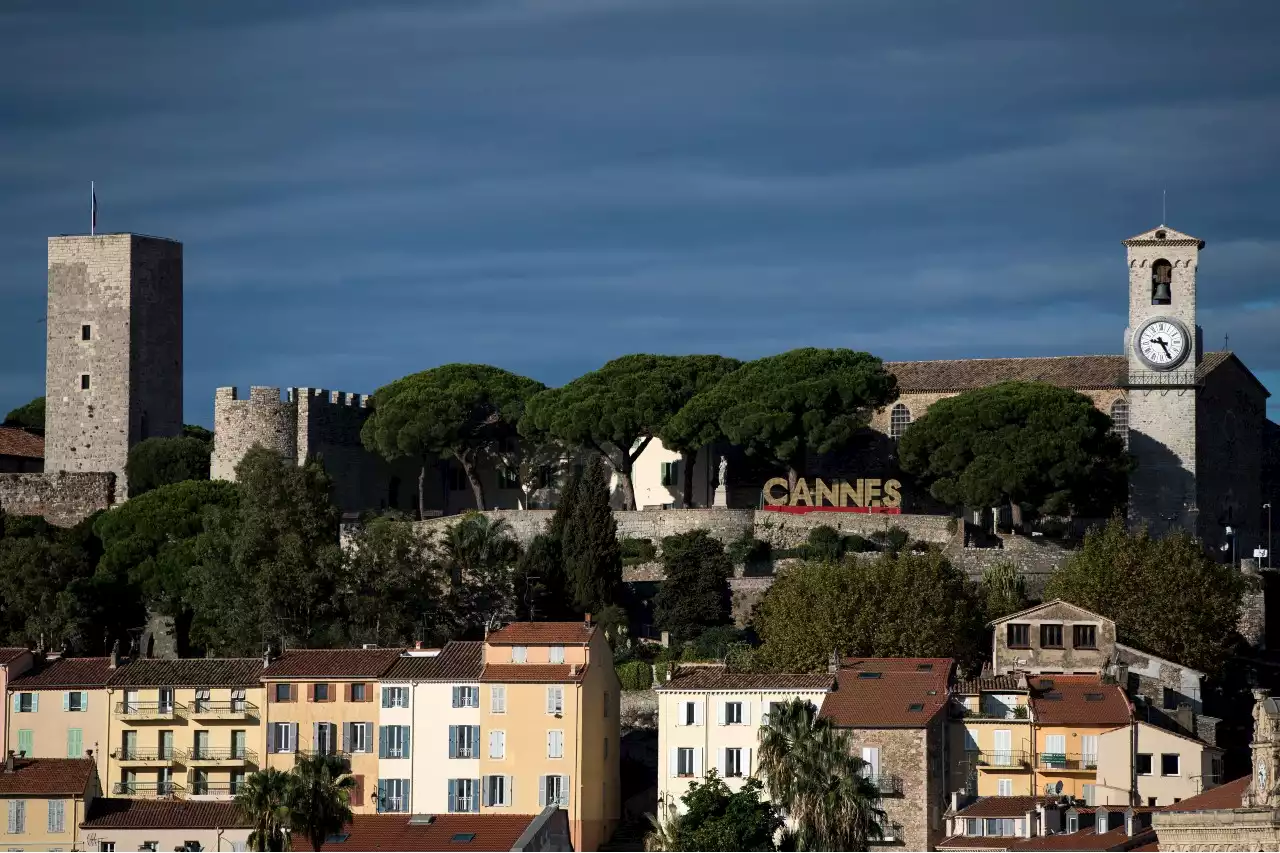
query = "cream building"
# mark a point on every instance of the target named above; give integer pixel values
(549, 730)
(45, 799)
(60, 709)
(126, 824)
(710, 719)
(1167, 767)
(433, 697)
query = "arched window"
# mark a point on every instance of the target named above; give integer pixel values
(899, 420)
(1161, 282)
(1120, 420)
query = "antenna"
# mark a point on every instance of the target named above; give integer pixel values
(1226, 343)
(1164, 206)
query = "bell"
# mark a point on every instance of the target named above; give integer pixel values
(1160, 294)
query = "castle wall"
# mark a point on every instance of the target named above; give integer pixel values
(155, 363)
(61, 497)
(263, 419)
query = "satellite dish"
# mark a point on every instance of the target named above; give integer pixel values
(1057, 789)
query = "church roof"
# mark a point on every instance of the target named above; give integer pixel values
(1162, 235)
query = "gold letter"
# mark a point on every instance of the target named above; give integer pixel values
(821, 492)
(849, 493)
(801, 495)
(892, 497)
(770, 498)
(873, 493)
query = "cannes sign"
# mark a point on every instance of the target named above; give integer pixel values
(869, 495)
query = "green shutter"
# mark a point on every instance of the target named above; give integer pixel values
(75, 743)
(25, 742)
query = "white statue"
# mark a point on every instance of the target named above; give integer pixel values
(724, 471)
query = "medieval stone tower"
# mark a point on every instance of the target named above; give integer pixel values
(113, 373)
(1163, 348)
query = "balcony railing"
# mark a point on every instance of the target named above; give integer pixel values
(128, 755)
(1001, 759)
(312, 753)
(890, 833)
(213, 790)
(886, 784)
(233, 710)
(148, 790)
(1067, 761)
(149, 710)
(208, 755)
(991, 714)
(393, 804)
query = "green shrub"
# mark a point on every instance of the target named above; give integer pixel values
(637, 551)
(750, 550)
(635, 675)
(824, 543)
(891, 541)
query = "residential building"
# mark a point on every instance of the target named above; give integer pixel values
(550, 690)
(1070, 713)
(128, 824)
(991, 729)
(546, 831)
(60, 708)
(999, 822)
(45, 799)
(710, 718)
(13, 663)
(188, 728)
(1166, 766)
(895, 712)
(429, 729)
(326, 701)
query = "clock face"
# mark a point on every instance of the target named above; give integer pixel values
(1161, 344)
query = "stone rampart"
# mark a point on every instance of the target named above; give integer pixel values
(787, 530)
(263, 419)
(63, 498)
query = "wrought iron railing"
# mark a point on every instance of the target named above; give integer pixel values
(235, 709)
(214, 789)
(149, 710)
(205, 753)
(147, 789)
(1001, 758)
(134, 754)
(1066, 761)
(885, 783)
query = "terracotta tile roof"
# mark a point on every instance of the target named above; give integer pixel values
(190, 672)
(1003, 806)
(973, 842)
(1154, 845)
(15, 441)
(8, 655)
(1227, 796)
(457, 661)
(330, 663)
(1086, 839)
(66, 674)
(907, 693)
(530, 673)
(397, 832)
(1079, 700)
(47, 777)
(718, 678)
(542, 634)
(1010, 682)
(118, 813)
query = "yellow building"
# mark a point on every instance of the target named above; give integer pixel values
(1069, 715)
(59, 709)
(13, 662)
(45, 799)
(185, 728)
(991, 717)
(326, 701)
(549, 727)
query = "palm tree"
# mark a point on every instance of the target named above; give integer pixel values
(811, 773)
(320, 805)
(665, 832)
(263, 800)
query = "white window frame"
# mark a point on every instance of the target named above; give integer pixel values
(283, 744)
(555, 743)
(556, 655)
(1004, 787)
(556, 792)
(1176, 755)
(464, 802)
(686, 769)
(733, 762)
(555, 700)
(498, 699)
(497, 744)
(519, 654)
(469, 696)
(733, 713)
(504, 783)
(362, 737)
(32, 703)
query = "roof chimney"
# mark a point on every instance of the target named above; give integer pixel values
(266, 656)
(573, 670)
(586, 620)
(88, 753)
(833, 664)
(8, 762)
(1186, 719)
(115, 655)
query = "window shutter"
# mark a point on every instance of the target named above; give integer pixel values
(484, 790)
(408, 803)
(475, 741)
(311, 693)
(453, 741)
(271, 738)
(457, 697)
(293, 693)
(382, 742)
(723, 759)
(475, 800)
(542, 792)
(697, 761)
(697, 713)
(682, 714)
(722, 712)
(564, 791)
(386, 697)
(406, 740)
(453, 795)
(57, 819)
(75, 743)
(357, 791)
(746, 761)
(35, 703)
(66, 701)
(674, 769)
(746, 713)
(382, 795)
(315, 736)
(346, 693)
(16, 704)
(509, 790)
(550, 702)
(293, 737)
(346, 736)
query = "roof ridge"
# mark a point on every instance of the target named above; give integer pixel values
(1008, 358)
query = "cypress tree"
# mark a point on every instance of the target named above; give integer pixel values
(592, 555)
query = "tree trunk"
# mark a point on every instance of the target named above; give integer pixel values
(422, 489)
(469, 468)
(688, 459)
(628, 490)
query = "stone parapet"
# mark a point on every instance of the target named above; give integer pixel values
(63, 498)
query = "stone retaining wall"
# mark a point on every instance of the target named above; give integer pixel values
(63, 498)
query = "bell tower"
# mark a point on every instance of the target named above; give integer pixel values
(1163, 348)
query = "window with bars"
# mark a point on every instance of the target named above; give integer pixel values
(1120, 420)
(899, 420)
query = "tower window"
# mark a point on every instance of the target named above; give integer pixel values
(86, 332)
(1161, 282)
(899, 420)
(1120, 420)
(84, 382)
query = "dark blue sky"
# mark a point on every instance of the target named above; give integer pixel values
(367, 190)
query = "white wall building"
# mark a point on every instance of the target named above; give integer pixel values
(709, 718)
(1168, 767)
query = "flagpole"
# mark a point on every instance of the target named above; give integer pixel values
(92, 218)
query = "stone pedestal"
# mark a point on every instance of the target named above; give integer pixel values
(721, 497)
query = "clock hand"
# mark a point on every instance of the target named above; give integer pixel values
(1163, 346)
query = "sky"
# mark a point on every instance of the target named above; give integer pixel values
(369, 190)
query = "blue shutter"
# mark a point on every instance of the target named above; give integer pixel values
(457, 697)
(382, 741)
(475, 801)
(16, 705)
(405, 729)
(66, 701)
(408, 803)
(475, 741)
(453, 741)
(542, 791)
(386, 697)
(453, 795)
(35, 703)
(382, 795)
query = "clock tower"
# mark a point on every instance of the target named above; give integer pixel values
(1163, 348)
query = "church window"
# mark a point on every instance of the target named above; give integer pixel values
(84, 382)
(1161, 282)
(899, 420)
(1120, 420)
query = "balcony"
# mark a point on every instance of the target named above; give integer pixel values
(148, 790)
(887, 785)
(147, 757)
(890, 833)
(1001, 759)
(1067, 762)
(141, 712)
(395, 804)
(233, 711)
(213, 790)
(313, 753)
(225, 757)
(992, 714)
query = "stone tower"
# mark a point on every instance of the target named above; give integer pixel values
(113, 373)
(1163, 347)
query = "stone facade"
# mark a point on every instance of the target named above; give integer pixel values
(1036, 657)
(113, 372)
(61, 497)
(917, 757)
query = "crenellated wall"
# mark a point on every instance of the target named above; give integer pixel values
(263, 419)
